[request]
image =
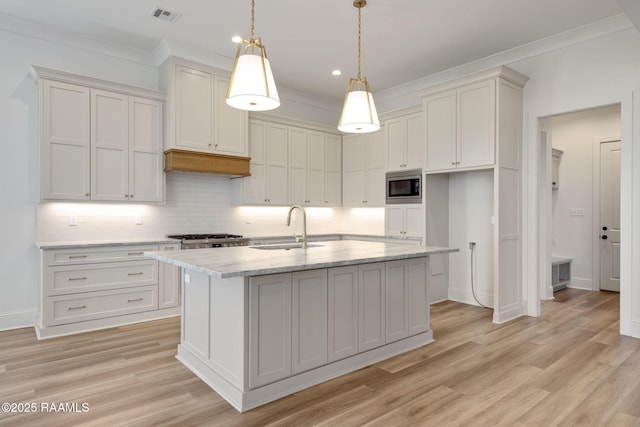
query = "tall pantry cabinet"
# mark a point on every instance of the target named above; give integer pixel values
(473, 133)
(99, 140)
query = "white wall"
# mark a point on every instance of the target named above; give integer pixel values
(573, 236)
(470, 212)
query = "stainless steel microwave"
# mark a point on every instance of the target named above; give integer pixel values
(404, 187)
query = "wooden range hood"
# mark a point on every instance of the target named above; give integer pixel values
(193, 161)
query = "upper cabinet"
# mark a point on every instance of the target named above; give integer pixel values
(403, 141)
(99, 140)
(363, 170)
(464, 120)
(292, 165)
(198, 118)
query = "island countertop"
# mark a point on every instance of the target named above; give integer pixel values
(250, 261)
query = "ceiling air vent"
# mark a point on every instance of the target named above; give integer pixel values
(165, 15)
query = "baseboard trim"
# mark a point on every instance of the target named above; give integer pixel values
(508, 313)
(581, 283)
(18, 319)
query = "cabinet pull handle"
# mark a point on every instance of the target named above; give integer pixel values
(77, 278)
(76, 308)
(77, 256)
(134, 300)
(136, 274)
(135, 253)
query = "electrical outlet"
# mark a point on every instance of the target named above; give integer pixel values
(138, 219)
(73, 221)
(472, 245)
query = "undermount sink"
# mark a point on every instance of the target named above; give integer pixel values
(285, 247)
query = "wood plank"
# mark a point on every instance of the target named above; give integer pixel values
(567, 367)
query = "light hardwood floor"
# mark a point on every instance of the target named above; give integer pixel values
(567, 367)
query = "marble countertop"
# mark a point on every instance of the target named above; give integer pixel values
(249, 261)
(98, 243)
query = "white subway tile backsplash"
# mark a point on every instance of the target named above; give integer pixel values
(195, 203)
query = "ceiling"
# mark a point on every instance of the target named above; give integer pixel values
(402, 40)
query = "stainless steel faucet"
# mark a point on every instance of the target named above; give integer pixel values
(303, 237)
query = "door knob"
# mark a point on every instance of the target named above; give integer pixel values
(604, 237)
(604, 228)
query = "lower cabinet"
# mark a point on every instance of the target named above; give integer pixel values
(303, 320)
(86, 288)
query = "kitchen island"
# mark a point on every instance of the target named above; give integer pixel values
(262, 322)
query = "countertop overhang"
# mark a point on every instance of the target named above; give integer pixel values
(248, 261)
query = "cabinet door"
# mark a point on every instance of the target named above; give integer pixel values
(193, 109)
(109, 146)
(254, 187)
(354, 170)
(343, 312)
(414, 220)
(276, 172)
(375, 191)
(146, 177)
(394, 221)
(333, 170)
(269, 329)
(309, 320)
(395, 143)
(476, 125)
(371, 306)
(418, 301)
(230, 123)
(297, 168)
(315, 168)
(414, 146)
(440, 125)
(169, 278)
(396, 300)
(65, 123)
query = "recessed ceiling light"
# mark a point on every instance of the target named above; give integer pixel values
(336, 73)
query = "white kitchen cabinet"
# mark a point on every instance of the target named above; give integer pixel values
(169, 280)
(126, 148)
(269, 328)
(99, 140)
(199, 118)
(461, 127)
(306, 167)
(267, 184)
(308, 320)
(343, 312)
(363, 172)
(87, 288)
(371, 306)
(407, 299)
(404, 220)
(403, 142)
(333, 170)
(65, 141)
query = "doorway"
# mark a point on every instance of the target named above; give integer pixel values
(609, 247)
(573, 214)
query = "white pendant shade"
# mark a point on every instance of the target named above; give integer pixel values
(252, 87)
(359, 113)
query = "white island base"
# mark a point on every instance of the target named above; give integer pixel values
(257, 339)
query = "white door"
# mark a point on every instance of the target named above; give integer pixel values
(610, 216)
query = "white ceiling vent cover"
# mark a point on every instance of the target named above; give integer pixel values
(165, 15)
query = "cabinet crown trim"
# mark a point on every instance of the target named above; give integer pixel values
(38, 73)
(502, 71)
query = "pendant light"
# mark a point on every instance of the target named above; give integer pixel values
(252, 86)
(359, 113)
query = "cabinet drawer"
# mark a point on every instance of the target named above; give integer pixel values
(92, 255)
(98, 277)
(97, 305)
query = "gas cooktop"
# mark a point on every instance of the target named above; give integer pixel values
(204, 236)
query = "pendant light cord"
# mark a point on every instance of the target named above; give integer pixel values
(359, 37)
